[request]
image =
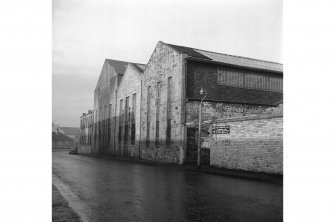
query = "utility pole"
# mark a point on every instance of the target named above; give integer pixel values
(202, 92)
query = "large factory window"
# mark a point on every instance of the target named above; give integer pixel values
(249, 80)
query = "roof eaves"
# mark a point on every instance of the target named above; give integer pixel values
(137, 67)
(237, 66)
(192, 53)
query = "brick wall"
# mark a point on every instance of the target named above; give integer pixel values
(251, 145)
(164, 63)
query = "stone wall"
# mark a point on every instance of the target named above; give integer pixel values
(213, 112)
(102, 97)
(85, 149)
(252, 144)
(130, 85)
(164, 63)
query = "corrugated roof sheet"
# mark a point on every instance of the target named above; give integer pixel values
(228, 59)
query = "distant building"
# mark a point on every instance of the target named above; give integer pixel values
(151, 112)
(61, 141)
(65, 137)
(56, 128)
(72, 132)
(86, 133)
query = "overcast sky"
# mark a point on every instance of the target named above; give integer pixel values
(85, 32)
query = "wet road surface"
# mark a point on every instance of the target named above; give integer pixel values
(123, 191)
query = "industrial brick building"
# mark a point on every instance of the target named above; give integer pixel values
(151, 112)
(65, 137)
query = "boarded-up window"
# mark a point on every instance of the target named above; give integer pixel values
(249, 80)
(229, 77)
(133, 121)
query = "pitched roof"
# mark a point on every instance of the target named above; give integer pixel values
(71, 130)
(228, 59)
(60, 137)
(120, 66)
(140, 67)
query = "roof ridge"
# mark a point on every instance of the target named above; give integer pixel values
(139, 64)
(124, 61)
(244, 57)
(227, 54)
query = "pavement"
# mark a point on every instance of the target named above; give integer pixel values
(104, 189)
(61, 212)
(259, 176)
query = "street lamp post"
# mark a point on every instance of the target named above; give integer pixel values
(202, 92)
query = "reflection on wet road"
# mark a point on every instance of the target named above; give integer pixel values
(125, 191)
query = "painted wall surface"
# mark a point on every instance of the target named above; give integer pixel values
(205, 75)
(212, 111)
(251, 145)
(130, 85)
(164, 63)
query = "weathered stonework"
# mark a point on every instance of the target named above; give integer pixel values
(167, 109)
(251, 145)
(213, 112)
(164, 63)
(102, 97)
(130, 85)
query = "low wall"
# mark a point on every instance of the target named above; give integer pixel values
(84, 149)
(251, 144)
